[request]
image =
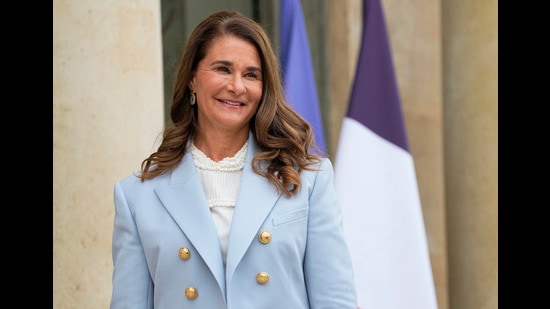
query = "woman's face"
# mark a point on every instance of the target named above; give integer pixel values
(228, 85)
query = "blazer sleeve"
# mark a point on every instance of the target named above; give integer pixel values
(132, 284)
(327, 265)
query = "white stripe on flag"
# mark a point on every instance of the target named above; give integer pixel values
(383, 221)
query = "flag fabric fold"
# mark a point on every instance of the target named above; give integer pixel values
(376, 183)
(297, 68)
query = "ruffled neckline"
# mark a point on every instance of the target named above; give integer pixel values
(234, 163)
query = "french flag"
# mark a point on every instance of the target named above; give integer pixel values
(297, 67)
(376, 182)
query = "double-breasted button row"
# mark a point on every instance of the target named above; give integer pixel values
(265, 238)
(190, 292)
(261, 278)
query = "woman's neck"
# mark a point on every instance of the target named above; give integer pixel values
(219, 146)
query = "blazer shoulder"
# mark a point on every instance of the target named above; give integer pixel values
(323, 166)
(322, 170)
(133, 180)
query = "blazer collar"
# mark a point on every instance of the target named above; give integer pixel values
(182, 197)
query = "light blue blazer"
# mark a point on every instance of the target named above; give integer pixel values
(165, 242)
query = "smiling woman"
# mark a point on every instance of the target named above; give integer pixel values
(228, 88)
(235, 209)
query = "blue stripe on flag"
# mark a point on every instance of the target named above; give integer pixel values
(297, 68)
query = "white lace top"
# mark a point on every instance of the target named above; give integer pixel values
(220, 182)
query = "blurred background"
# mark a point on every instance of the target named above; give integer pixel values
(112, 64)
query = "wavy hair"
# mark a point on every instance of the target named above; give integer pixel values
(284, 137)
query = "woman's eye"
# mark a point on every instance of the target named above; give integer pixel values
(251, 75)
(223, 69)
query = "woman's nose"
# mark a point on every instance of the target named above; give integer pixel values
(236, 85)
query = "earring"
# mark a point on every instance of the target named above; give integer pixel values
(193, 98)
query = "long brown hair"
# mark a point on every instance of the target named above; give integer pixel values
(284, 137)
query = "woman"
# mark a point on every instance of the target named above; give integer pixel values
(232, 210)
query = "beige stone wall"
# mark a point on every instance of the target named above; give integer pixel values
(108, 111)
(471, 151)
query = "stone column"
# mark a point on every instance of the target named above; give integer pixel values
(470, 62)
(108, 112)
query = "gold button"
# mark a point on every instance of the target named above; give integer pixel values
(265, 237)
(184, 253)
(262, 277)
(191, 293)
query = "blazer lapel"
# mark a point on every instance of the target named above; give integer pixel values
(184, 200)
(256, 198)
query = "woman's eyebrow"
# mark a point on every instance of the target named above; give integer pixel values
(229, 63)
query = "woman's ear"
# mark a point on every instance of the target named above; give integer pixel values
(191, 84)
